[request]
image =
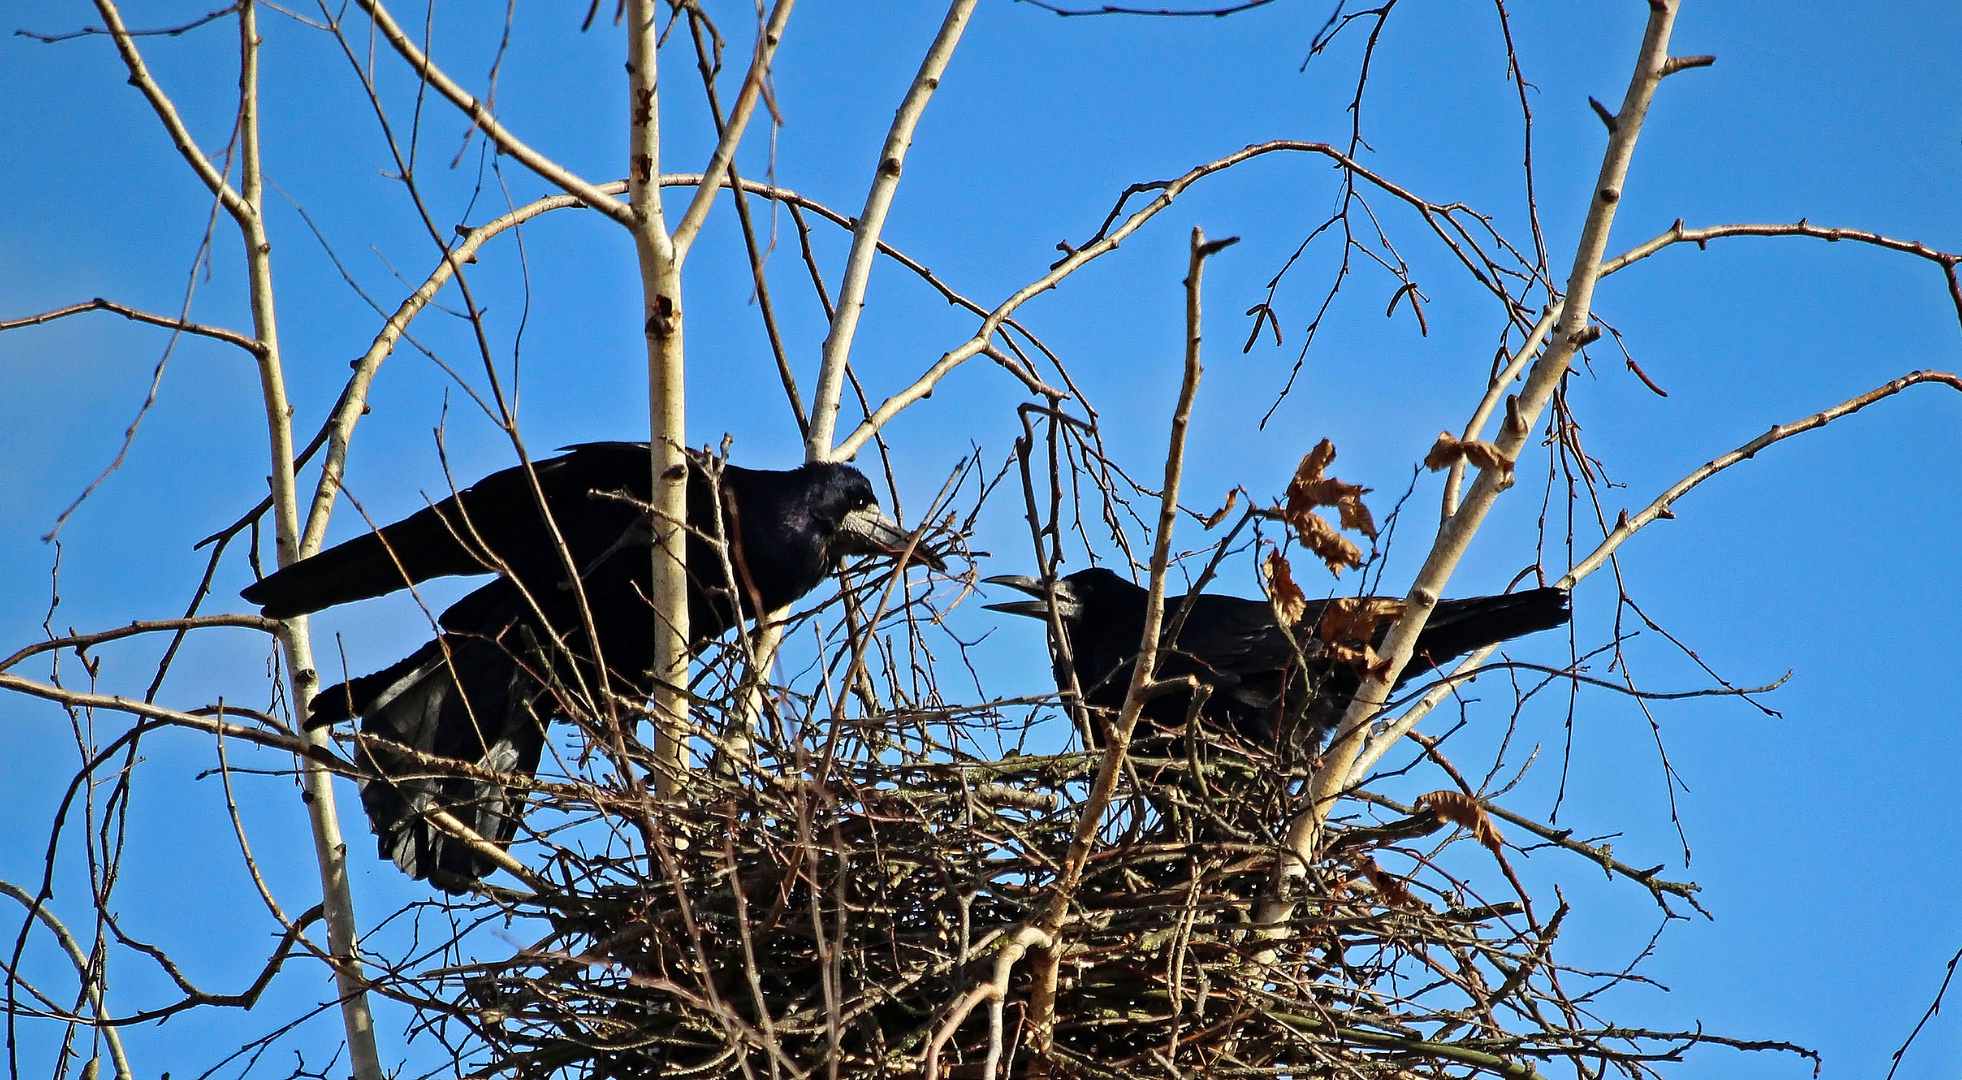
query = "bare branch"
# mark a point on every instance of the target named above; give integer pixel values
(245, 204)
(1107, 240)
(81, 642)
(167, 31)
(1660, 508)
(1934, 1007)
(1544, 377)
(176, 718)
(1831, 234)
(732, 130)
(481, 116)
(1626, 527)
(166, 110)
(86, 972)
(218, 333)
(865, 237)
(1684, 63)
(354, 398)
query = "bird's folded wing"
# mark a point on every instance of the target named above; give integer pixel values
(494, 520)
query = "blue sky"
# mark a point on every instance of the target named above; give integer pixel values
(1816, 835)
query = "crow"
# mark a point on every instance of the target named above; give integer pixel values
(1263, 689)
(515, 653)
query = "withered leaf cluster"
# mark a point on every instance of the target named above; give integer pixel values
(1311, 489)
(1346, 625)
(1348, 629)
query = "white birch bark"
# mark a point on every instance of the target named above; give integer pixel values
(865, 236)
(1455, 536)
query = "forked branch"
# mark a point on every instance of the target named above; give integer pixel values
(865, 237)
(1455, 536)
(1626, 526)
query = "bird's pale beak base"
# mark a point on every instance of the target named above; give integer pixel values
(1066, 601)
(868, 531)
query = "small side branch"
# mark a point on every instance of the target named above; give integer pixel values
(1106, 241)
(732, 130)
(1144, 681)
(81, 642)
(354, 399)
(91, 979)
(1677, 234)
(480, 115)
(272, 740)
(1630, 525)
(216, 333)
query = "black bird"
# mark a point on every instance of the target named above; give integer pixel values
(1261, 688)
(485, 689)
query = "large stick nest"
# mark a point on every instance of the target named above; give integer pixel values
(774, 927)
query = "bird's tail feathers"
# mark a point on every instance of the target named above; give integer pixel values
(418, 705)
(1459, 626)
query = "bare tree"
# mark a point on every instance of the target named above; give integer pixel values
(822, 847)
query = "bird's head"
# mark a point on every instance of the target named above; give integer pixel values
(1074, 594)
(848, 514)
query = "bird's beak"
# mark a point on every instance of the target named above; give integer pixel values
(868, 531)
(1034, 609)
(1038, 608)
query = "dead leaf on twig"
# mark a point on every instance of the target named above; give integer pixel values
(1365, 659)
(1219, 515)
(1348, 631)
(1450, 449)
(1318, 536)
(1387, 885)
(1290, 603)
(1310, 489)
(1462, 809)
(1351, 619)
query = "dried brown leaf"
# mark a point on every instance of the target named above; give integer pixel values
(1462, 809)
(1449, 450)
(1289, 601)
(1368, 663)
(1324, 491)
(1348, 654)
(1389, 886)
(1314, 463)
(1318, 536)
(1310, 489)
(1217, 516)
(1356, 516)
(1355, 618)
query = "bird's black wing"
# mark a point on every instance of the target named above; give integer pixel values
(494, 519)
(1228, 634)
(1256, 674)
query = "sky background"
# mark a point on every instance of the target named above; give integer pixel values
(1817, 836)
